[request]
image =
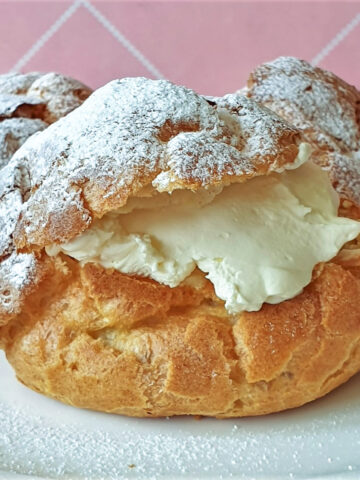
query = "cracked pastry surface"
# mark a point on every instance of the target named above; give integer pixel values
(98, 338)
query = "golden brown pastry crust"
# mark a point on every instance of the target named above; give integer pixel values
(99, 339)
(103, 340)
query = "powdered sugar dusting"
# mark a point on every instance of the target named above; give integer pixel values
(323, 106)
(14, 184)
(29, 102)
(17, 272)
(117, 135)
(58, 93)
(20, 117)
(17, 83)
(61, 94)
(68, 213)
(248, 138)
(14, 132)
(344, 169)
(202, 160)
(135, 131)
(258, 127)
(9, 106)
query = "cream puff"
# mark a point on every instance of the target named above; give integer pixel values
(165, 253)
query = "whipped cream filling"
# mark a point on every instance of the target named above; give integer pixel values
(256, 241)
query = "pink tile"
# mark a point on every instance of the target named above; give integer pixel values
(21, 24)
(344, 60)
(84, 49)
(211, 47)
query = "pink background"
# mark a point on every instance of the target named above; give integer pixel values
(209, 46)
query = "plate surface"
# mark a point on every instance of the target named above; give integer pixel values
(43, 438)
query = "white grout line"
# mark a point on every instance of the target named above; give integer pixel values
(45, 37)
(344, 32)
(121, 39)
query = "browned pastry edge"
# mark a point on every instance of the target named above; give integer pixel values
(98, 339)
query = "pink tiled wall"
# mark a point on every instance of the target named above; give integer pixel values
(209, 46)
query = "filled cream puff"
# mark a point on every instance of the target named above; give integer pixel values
(165, 253)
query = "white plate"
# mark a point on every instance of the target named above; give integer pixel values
(44, 438)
